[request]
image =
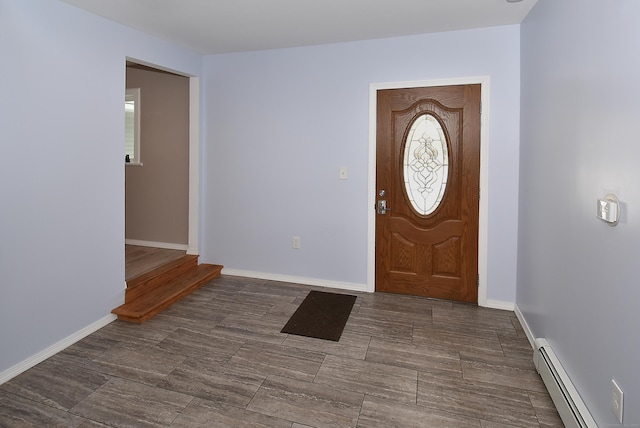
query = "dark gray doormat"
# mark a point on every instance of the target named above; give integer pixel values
(321, 315)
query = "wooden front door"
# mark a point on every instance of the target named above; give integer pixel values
(428, 184)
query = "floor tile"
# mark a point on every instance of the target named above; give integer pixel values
(283, 309)
(19, 412)
(377, 314)
(255, 324)
(243, 332)
(350, 345)
(490, 424)
(140, 363)
(280, 360)
(214, 382)
(237, 282)
(56, 384)
(403, 303)
(175, 321)
(137, 334)
(490, 402)
(487, 342)
(376, 327)
(124, 403)
(380, 380)
(88, 348)
(236, 302)
(545, 409)
(307, 403)
(412, 356)
(377, 413)
(207, 414)
(474, 318)
(541, 400)
(516, 346)
(92, 424)
(513, 360)
(273, 291)
(518, 327)
(205, 314)
(516, 377)
(211, 345)
(549, 419)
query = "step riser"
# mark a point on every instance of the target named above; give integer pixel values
(144, 284)
(165, 304)
(164, 295)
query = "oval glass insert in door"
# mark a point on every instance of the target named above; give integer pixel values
(426, 164)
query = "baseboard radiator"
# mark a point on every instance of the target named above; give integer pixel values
(570, 406)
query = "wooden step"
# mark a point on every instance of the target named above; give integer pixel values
(149, 281)
(153, 302)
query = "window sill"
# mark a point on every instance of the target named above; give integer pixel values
(133, 164)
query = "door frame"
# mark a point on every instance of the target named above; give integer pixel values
(483, 219)
(194, 165)
(194, 153)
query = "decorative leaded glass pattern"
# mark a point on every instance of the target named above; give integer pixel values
(426, 164)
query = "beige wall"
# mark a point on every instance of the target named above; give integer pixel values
(157, 193)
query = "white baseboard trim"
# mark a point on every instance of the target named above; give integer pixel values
(165, 245)
(297, 280)
(525, 326)
(493, 304)
(499, 304)
(25, 365)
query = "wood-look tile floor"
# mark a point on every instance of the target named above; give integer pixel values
(218, 359)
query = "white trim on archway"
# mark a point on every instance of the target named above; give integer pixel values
(194, 154)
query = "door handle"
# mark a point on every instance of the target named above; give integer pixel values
(382, 206)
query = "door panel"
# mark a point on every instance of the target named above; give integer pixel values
(420, 252)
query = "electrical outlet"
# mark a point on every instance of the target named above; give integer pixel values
(616, 400)
(295, 242)
(344, 173)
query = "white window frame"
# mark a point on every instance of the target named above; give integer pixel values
(133, 94)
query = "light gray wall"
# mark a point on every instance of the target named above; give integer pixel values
(280, 123)
(62, 173)
(157, 193)
(577, 276)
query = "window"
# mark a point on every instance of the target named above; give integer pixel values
(426, 164)
(132, 126)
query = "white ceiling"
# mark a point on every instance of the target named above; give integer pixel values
(218, 26)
